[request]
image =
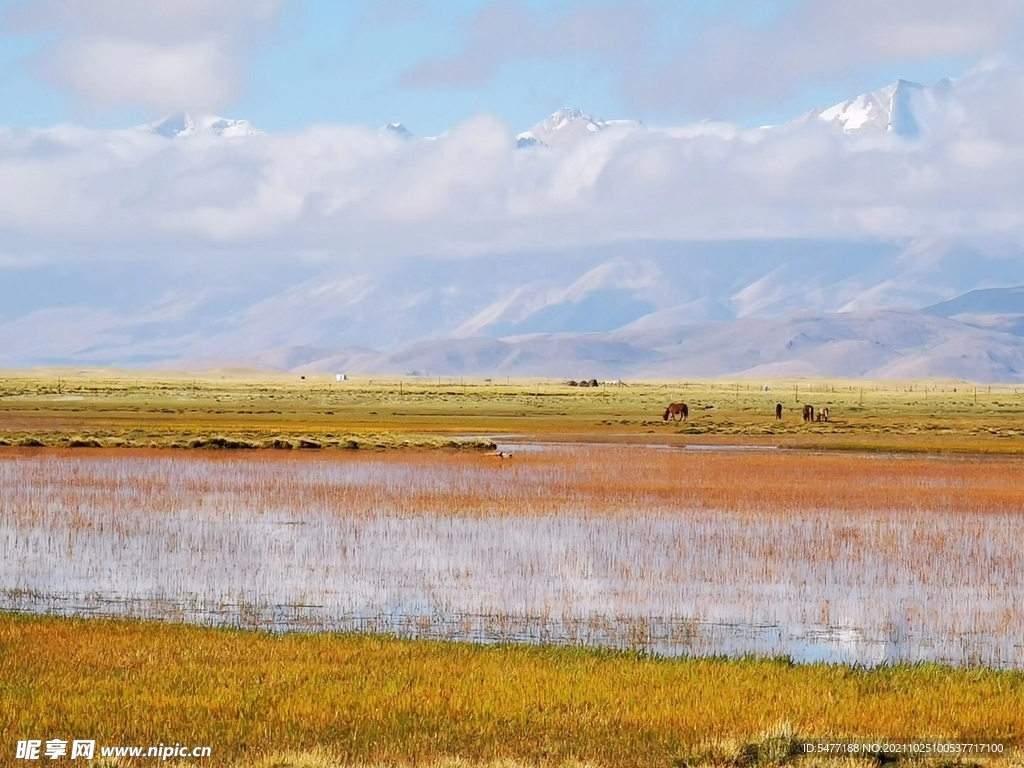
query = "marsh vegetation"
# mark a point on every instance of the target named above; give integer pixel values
(843, 558)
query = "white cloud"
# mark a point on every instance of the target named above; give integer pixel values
(826, 42)
(165, 56)
(503, 31)
(716, 61)
(156, 76)
(352, 193)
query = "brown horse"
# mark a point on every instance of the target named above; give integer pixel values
(808, 413)
(823, 413)
(678, 412)
(778, 410)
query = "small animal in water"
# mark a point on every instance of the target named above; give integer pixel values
(778, 410)
(678, 412)
(501, 454)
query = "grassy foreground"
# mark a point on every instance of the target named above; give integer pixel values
(253, 410)
(322, 699)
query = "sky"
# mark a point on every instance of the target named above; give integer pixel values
(287, 65)
(107, 227)
(321, 186)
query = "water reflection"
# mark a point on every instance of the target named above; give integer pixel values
(462, 549)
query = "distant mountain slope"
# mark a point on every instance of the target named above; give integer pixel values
(873, 344)
(900, 344)
(629, 292)
(998, 309)
(984, 301)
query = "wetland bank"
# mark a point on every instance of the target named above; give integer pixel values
(891, 578)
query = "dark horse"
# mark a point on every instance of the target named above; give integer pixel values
(678, 412)
(778, 410)
(808, 413)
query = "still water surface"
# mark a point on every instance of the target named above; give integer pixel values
(472, 549)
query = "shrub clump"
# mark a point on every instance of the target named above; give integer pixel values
(776, 747)
(277, 443)
(78, 441)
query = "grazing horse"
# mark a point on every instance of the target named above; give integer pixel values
(808, 413)
(678, 412)
(823, 413)
(778, 410)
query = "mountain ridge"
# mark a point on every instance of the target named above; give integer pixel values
(901, 108)
(879, 344)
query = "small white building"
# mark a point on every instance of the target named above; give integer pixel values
(340, 377)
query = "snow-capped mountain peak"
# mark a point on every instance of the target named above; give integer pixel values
(395, 129)
(903, 108)
(183, 124)
(560, 128)
(563, 117)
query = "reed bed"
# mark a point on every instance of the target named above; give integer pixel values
(858, 559)
(235, 440)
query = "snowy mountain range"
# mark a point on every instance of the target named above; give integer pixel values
(183, 124)
(642, 305)
(903, 108)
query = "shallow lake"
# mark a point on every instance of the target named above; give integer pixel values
(820, 558)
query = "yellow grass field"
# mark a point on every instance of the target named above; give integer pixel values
(244, 409)
(373, 700)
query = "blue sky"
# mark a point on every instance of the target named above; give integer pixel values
(434, 65)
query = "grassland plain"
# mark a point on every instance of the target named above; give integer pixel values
(253, 410)
(266, 699)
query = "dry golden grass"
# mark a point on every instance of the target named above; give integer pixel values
(372, 700)
(730, 753)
